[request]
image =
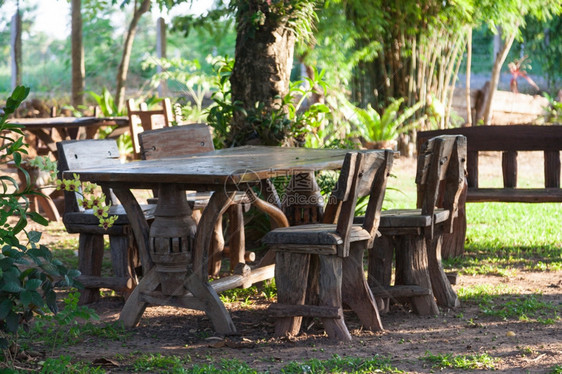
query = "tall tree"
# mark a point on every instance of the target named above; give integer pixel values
(15, 43)
(140, 7)
(266, 35)
(78, 67)
(509, 16)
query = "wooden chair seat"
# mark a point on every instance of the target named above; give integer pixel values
(317, 235)
(397, 218)
(79, 154)
(413, 237)
(319, 267)
(87, 217)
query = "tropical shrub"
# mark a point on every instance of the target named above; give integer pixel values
(28, 272)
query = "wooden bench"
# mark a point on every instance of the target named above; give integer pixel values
(509, 140)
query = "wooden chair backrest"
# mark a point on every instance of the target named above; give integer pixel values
(176, 141)
(81, 154)
(362, 174)
(143, 119)
(440, 175)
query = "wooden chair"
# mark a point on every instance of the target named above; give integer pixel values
(77, 154)
(144, 119)
(337, 248)
(415, 235)
(197, 138)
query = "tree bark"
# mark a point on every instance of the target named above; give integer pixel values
(468, 63)
(262, 68)
(496, 70)
(78, 68)
(126, 56)
(15, 43)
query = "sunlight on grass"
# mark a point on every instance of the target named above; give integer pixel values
(508, 303)
(465, 362)
(337, 364)
(505, 238)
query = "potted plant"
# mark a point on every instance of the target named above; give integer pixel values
(381, 131)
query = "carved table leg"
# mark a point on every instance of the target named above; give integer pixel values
(171, 239)
(197, 279)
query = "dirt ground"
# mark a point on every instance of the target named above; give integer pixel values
(518, 346)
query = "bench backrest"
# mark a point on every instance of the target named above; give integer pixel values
(142, 119)
(176, 141)
(362, 174)
(81, 154)
(508, 140)
(440, 175)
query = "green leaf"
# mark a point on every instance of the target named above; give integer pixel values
(33, 284)
(34, 236)
(12, 285)
(36, 217)
(37, 300)
(51, 300)
(25, 298)
(5, 308)
(20, 225)
(12, 322)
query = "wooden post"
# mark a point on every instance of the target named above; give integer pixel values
(552, 169)
(509, 168)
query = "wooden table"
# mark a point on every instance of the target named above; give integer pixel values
(49, 131)
(173, 244)
(53, 129)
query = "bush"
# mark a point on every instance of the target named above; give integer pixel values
(28, 272)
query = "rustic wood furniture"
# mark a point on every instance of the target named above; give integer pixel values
(174, 253)
(338, 248)
(55, 129)
(43, 133)
(415, 236)
(509, 140)
(124, 253)
(143, 119)
(190, 139)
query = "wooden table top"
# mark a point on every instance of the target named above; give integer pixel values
(221, 167)
(69, 122)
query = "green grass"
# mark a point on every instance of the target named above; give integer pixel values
(507, 303)
(503, 239)
(464, 362)
(337, 364)
(157, 363)
(63, 364)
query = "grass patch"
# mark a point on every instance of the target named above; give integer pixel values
(506, 303)
(63, 364)
(245, 295)
(505, 238)
(337, 364)
(465, 362)
(160, 364)
(174, 364)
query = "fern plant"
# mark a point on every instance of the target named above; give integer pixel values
(373, 127)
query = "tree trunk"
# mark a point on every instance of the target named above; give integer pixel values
(262, 68)
(496, 70)
(16, 49)
(78, 69)
(468, 63)
(127, 48)
(161, 53)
